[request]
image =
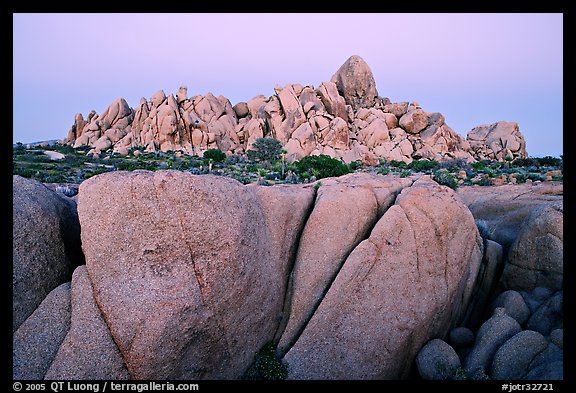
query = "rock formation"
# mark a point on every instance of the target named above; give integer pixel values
(46, 244)
(497, 141)
(188, 277)
(517, 306)
(343, 118)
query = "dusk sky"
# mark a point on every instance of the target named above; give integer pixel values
(473, 68)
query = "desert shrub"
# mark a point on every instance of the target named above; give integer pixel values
(422, 165)
(320, 166)
(398, 164)
(266, 365)
(445, 178)
(355, 165)
(384, 170)
(265, 149)
(536, 176)
(479, 165)
(130, 165)
(405, 173)
(453, 165)
(235, 159)
(549, 161)
(525, 162)
(215, 154)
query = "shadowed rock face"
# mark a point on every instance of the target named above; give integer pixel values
(527, 220)
(46, 244)
(37, 340)
(343, 118)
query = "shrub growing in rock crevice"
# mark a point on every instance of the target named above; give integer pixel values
(266, 365)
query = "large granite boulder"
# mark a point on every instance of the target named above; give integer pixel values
(46, 244)
(185, 269)
(408, 282)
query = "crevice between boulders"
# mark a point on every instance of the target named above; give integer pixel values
(285, 316)
(289, 291)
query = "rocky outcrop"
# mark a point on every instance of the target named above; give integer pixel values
(343, 118)
(426, 251)
(46, 244)
(497, 141)
(200, 288)
(188, 277)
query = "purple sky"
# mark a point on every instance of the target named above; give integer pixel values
(473, 68)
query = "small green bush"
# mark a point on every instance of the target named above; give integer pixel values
(398, 164)
(422, 165)
(445, 178)
(525, 162)
(384, 170)
(355, 165)
(265, 149)
(549, 161)
(453, 165)
(267, 366)
(215, 154)
(320, 166)
(479, 165)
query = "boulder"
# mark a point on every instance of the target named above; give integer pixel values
(557, 337)
(293, 112)
(548, 316)
(332, 100)
(514, 305)
(536, 258)
(355, 83)
(201, 288)
(500, 211)
(88, 352)
(547, 365)
(513, 358)
(182, 94)
(437, 361)
(38, 338)
(414, 121)
(535, 298)
(45, 245)
(497, 141)
(489, 338)
(328, 239)
(486, 283)
(241, 109)
(461, 337)
(397, 109)
(425, 250)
